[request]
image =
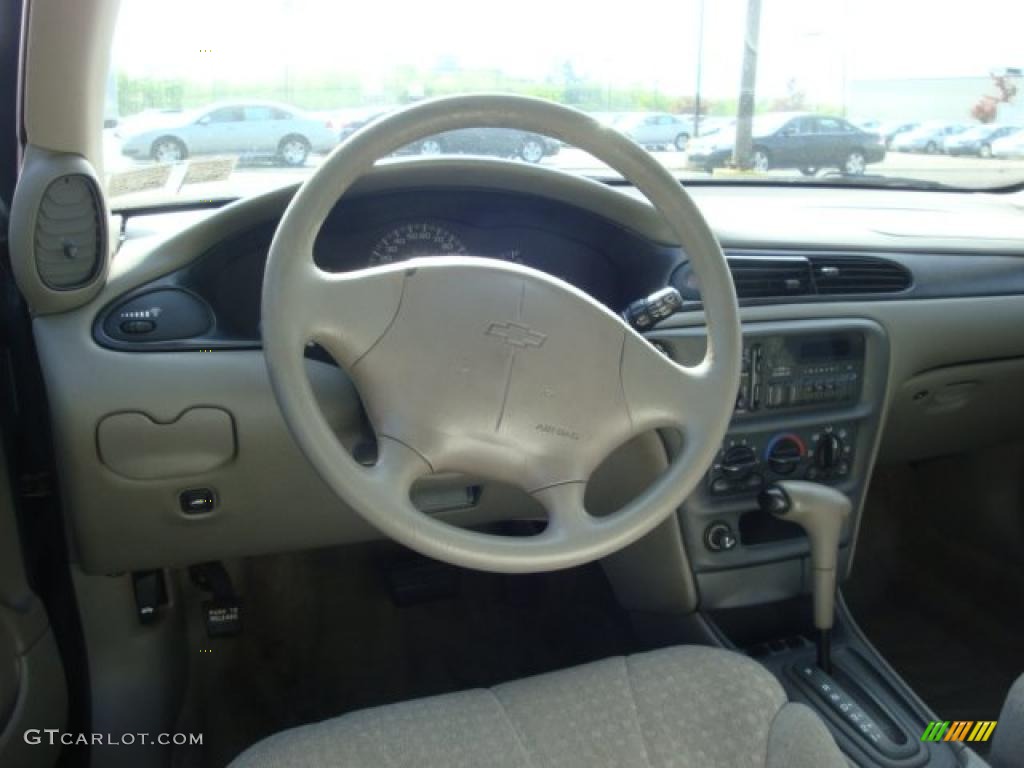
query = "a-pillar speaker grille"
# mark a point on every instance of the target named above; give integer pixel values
(69, 237)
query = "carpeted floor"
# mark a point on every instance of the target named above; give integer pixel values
(323, 636)
(941, 602)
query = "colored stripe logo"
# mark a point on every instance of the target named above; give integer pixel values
(959, 730)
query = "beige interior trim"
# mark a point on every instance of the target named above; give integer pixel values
(33, 693)
(40, 169)
(67, 56)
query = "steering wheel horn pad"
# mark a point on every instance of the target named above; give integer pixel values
(492, 368)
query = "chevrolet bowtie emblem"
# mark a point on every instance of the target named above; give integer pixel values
(516, 335)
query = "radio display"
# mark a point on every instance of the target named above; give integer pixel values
(831, 347)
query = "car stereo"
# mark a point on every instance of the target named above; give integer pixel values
(795, 371)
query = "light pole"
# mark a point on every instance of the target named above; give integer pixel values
(700, 68)
(743, 150)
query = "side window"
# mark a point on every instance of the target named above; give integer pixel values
(227, 115)
(799, 127)
(253, 114)
(668, 120)
(653, 120)
(280, 114)
(830, 125)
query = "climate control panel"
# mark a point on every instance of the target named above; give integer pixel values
(747, 462)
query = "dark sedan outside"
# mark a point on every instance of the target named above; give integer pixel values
(500, 142)
(791, 140)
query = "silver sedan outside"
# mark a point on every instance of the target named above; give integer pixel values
(253, 130)
(655, 129)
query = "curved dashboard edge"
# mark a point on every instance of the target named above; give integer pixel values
(599, 199)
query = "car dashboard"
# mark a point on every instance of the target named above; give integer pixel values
(214, 301)
(839, 373)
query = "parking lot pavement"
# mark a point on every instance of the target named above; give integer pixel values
(252, 179)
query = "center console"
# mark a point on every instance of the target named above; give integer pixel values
(875, 718)
(796, 461)
(808, 408)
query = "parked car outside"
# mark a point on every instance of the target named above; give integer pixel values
(607, 118)
(795, 140)
(977, 140)
(890, 129)
(339, 118)
(499, 142)
(712, 124)
(349, 127)
(251, 130)
(146, 120)
(927, 137)
(656, 129)
(1011, 146)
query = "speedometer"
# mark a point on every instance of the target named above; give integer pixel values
(415, 239)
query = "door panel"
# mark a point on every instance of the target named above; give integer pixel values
(264, 127)
(832, 142)
(33, 692)
(788, 146)
(223, 132)
(668, 129)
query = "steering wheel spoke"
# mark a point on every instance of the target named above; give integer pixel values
(347, 314)
(567, 515)
(398, 466)
(663, 394)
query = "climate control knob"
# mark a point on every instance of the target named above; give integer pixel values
(784, 454)
(738, 462)
(828, 452)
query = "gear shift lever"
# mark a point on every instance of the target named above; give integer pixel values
(821, 512)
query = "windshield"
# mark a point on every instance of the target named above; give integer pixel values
(229, 99)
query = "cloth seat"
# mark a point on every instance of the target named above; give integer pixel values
(682, 706)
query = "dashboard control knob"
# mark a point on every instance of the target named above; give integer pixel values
(719, 537)
(828, 453)
(784, 454)
(738, 462)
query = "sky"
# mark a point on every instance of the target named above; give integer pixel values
(818, 44)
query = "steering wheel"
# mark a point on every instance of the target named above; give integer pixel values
(490, 368)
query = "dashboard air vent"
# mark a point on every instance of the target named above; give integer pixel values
(775, 276)
(858, 274)
(758, 278)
